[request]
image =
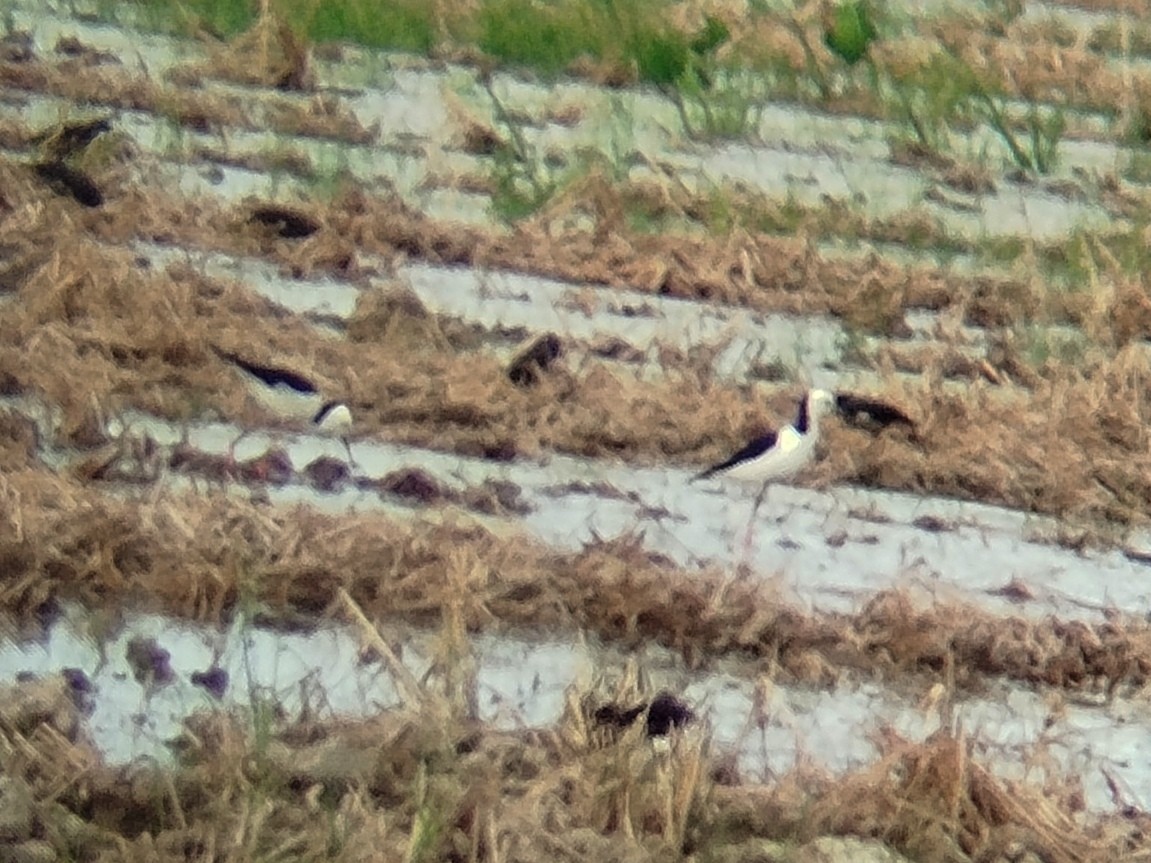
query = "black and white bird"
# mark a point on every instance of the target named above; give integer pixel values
(778, 454)
(293, 397)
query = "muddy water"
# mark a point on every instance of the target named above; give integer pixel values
(521, 684)
(828, 549)
(800, 154)
(510, 301)
(812, 348)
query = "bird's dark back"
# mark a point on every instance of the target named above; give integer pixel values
(803, 418)
(270, 375)
(755, 448)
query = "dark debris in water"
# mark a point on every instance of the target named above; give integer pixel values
(326, 473)
(17, 46)
(77, 680)
(415, 484)
(933, 524)
(496, 497)
(613, 348)
(214, 681)
(503, 450)
(482, 140)
(69, 182)
(288, 223)
(664, 713)
(70, 46)
(491, 497)
(600, 488)
(537, 358)
(67, 139)
(273, 467)
(191, 460)
(151, 664)
(869, 413)
(1016, 590)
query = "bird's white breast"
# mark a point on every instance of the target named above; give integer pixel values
(337, 422)
(788, 440)
(791, 452)
(287, 403)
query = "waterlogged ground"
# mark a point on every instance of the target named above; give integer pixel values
(948, 620)
(522, 683)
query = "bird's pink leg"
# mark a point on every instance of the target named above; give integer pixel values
(759, 499)
(352, 467)
(233, 468)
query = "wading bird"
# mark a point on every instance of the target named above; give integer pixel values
(776, 455)
(291, 396)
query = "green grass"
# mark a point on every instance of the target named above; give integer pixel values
(397, 25)
(851, 31)
(1040, 344)
(225, 17)
(543, 37)
(729, 106)
(635, 39)
(1136, 132)
(934, 100)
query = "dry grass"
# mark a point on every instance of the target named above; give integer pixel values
(754, 270)
(1023, 61)
(112, 85)
(95, 332)
(1130, 7)
(207, 558)
(745, 268)
(426, 782)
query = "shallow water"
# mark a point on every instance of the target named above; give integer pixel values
(521, 683)
(830, 550)
(508, 300)
(800, 154)
(812, 348)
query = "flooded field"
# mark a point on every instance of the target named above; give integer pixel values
(498, 617)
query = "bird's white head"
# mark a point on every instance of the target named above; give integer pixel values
(334, 419)
(820, 402)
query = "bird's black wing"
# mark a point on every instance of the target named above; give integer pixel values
(757, 447)
(270, 375)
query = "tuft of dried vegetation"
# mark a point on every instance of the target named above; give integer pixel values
(208, 557)
(112, 85)
(428, 781)
(96, 330)
(93, 329)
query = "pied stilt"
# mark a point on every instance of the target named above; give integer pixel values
(776, 455)
(291, 396)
